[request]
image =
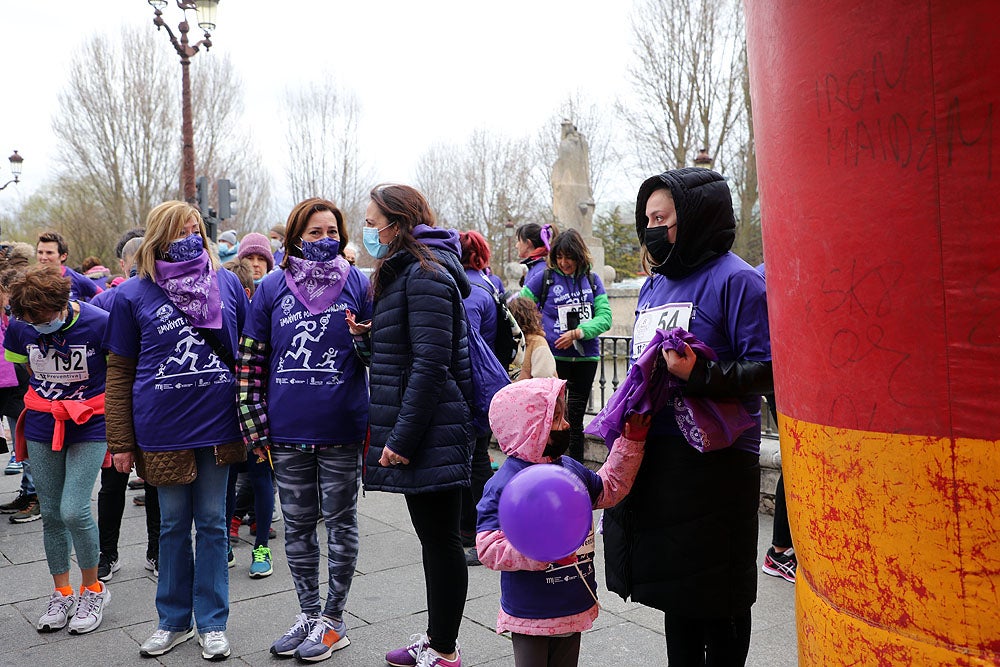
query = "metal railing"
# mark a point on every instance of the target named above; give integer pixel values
(613, 367)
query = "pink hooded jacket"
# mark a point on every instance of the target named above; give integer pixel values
(521, 416)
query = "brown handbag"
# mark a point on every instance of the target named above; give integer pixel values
(166, 468)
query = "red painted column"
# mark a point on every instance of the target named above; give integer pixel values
(876, 128)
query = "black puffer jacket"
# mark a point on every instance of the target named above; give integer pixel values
(421, 376)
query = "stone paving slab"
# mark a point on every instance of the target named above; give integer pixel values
(386, 604)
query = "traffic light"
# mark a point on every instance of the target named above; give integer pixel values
(227, 197)
(201, 183)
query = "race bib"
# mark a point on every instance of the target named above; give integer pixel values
(571, 314)
(661, 317)
(50, 368)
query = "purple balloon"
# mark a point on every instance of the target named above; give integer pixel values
(545, 512)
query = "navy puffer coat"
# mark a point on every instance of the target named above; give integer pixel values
(420, 375)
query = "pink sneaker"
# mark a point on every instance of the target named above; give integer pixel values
(408, 655)
(430, 658)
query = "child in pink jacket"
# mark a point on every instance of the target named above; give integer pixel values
(546, 606)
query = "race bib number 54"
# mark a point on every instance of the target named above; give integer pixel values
(51, 368)
(661, 317)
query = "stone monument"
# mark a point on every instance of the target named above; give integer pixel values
(572, 198)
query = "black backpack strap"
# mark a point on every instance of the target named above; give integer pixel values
(217, 346)
(546, 282)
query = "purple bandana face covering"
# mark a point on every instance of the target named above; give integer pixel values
(316, 284)
(193, 287)
(321, 250)
(185, 249)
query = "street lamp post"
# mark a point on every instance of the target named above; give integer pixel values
(703, 160)
(508, 232)
(15, 168)
(205, 10)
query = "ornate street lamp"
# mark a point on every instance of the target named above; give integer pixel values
(15, 168)
(205, 10)
(703, 159)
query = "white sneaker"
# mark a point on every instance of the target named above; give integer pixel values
(58, 612)
(89, 611)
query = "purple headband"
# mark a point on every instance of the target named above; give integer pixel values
(546, 235)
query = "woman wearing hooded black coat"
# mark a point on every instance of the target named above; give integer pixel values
(685, 539)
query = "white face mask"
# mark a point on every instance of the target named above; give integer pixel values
(275, 245)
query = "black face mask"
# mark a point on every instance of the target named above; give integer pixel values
(657, 244)
(558, 444)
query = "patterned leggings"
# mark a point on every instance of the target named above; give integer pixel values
(309, 483)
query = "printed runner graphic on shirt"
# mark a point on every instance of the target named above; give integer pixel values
(191, 356)
(306, 354)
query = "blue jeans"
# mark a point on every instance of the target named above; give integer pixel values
(27, 482)
(196, 582)
(263, 495)
(65, 481)
(310, 484)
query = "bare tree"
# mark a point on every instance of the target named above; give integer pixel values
(686, 80)
(118, 132)
(223, 148)
(483, 184)
(323, 149)
(116, 126)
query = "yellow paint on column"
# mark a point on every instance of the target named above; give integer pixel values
(895, 535)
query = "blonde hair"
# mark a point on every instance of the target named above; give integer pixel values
(164, 224)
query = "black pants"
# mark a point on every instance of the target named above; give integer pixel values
(579, 376)
(111, 506)
(481, 473)
(707, 642)
(435, 518)
(782, 535)
(534, 651)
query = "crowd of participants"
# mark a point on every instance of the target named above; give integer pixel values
(223, 372)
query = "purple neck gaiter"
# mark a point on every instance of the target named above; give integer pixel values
(193, 287)
(316, 284)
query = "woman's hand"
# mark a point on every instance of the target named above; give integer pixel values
(123, 462)
(566, 340)
(357, 328)
(390, 458)
(680, 365)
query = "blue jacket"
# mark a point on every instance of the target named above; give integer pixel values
(420, 375)
(480, 309)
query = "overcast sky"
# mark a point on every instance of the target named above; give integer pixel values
(424, 72)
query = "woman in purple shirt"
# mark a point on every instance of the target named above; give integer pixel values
(171, 401)
(296, 358)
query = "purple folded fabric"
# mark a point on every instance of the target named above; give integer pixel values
(707, 424)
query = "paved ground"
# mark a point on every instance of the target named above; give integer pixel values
(386, 604)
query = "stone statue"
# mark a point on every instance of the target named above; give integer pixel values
(572, 198)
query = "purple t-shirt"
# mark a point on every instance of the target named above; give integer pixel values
(723, 304)
(317, 388)
(75, 379)
(569, 299)
(184, 396)
(81, 287)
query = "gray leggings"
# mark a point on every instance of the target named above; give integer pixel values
(312, 484)
(64, 481)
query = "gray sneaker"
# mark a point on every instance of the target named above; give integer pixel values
(89, 611)
(57, 613)
(214, 645)
(162, 641)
